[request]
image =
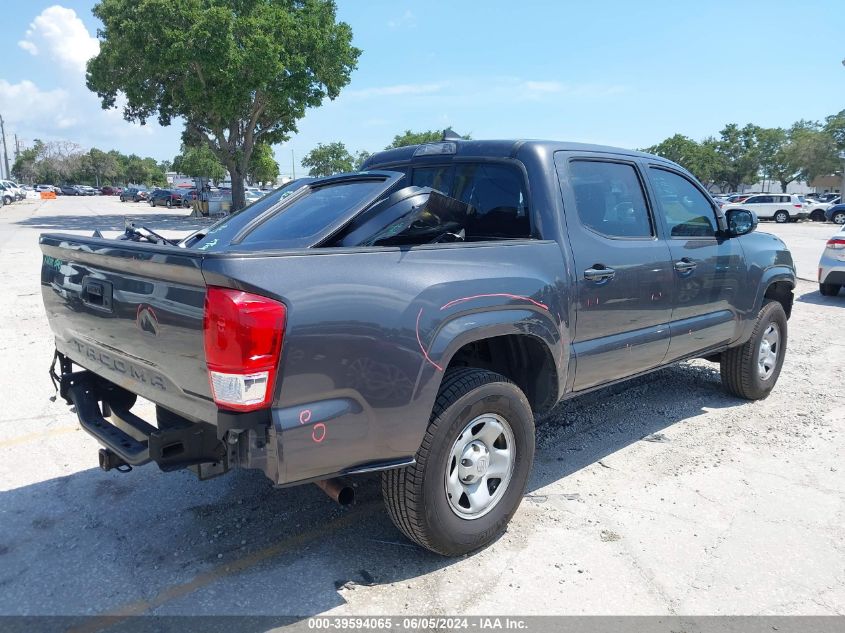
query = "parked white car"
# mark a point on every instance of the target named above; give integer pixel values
(15, 188)
(816, 210)
(832, 265)
(780, 207)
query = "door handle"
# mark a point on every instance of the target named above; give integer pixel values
(599, 274)
(685, 265)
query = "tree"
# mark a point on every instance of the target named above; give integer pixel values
(834, 125)
(701, 159)
(239, 72)
(360, 158)
(199, 162)
(814, 150)
(101, 166)
(263, 166)
(415, 138)
(325, 160)
(739, 158)
(25, 168)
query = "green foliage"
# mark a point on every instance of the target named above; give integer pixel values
(199, 162)
(834, 126)
(741, 155)
(262, 165)
(239, 72)
(59, 162)
(415, 138)
(325, 160)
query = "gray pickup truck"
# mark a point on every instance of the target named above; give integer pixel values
(412, 318)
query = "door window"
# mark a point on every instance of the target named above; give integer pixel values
(609, 199)
(688, 213)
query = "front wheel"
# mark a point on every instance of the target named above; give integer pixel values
(829, 290)
(471, 469)
(817, 216)
(782, 217)
(838, 217)
(751, 370)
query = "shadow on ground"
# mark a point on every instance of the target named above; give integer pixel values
(179, 221)
(166, 543)
(816, 298)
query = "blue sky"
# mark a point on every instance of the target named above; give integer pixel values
(620, 73)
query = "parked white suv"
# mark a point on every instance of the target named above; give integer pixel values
(816, 210)
(780, 207)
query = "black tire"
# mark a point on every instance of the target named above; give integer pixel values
(781, 217)
(829, 290)
(416, 497)
(152, 203)
(739, 366)
(817, 216)
(168, 203)
(838, 217)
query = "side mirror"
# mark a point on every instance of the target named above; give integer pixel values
(740, 222)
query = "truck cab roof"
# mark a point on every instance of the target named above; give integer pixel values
(460, 148)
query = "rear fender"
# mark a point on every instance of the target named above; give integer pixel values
(456, 332)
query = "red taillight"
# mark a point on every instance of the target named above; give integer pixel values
(836, 243)
(243, 335)
(798, 206)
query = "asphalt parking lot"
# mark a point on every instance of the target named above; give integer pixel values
(662, 496)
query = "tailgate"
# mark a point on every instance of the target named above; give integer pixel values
(132, 313)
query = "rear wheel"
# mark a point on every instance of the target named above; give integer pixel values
(168, 204)
(829, 290)
(781, 217)
(838, 217)
(751, 370)
(471, 469)
(817, 216)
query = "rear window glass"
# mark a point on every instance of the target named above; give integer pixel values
(305, 218)
(496, 193)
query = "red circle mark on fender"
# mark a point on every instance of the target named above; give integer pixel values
(305, 416)
(318, 432)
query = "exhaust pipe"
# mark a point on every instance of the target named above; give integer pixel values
(338, 489)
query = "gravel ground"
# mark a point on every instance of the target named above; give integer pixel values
(661, 496)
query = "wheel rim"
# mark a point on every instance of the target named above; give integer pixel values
(839, 218)
(480, 466)
(767, 356)
(781, 218)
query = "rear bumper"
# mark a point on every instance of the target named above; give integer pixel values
(103, 412)
(831, 270)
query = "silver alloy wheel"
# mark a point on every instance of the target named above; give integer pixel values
(767, 357)
(838, 217)
(480, 466)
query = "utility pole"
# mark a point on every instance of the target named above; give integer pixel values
(292, 167)
(5, 153)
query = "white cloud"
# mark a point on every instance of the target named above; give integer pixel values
(407, 19)
(24, 101)
(63, 37)
(394, 91)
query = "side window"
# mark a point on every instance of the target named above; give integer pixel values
(687, 212)
(498, 200)
(439, 178)
(753, 200)
(609, 198)
(766, 199)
